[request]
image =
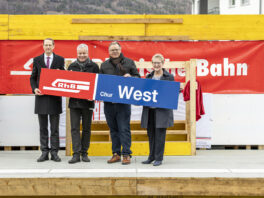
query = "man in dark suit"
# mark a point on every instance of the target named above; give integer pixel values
(47, 106)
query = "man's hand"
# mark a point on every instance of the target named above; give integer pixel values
(38, 92)
(127, 75)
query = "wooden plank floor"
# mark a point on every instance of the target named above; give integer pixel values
(132, 186)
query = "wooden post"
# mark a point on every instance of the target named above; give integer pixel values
(187, 104)
(193, 64)
(68, 122)
(68, 130)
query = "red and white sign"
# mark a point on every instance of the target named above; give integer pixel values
(67, 83)
(223, 66)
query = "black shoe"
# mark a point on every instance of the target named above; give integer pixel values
(43, 157)
(157, 163)
(55, 158)
(85, 158)
(75, 159)
(148, 161)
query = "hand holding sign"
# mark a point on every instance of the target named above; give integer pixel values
(38, 92)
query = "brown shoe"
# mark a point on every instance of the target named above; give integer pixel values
(126, 160)
(115, 158)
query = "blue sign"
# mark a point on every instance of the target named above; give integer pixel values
(137, 91)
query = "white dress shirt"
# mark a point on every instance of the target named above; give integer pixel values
(50, 61)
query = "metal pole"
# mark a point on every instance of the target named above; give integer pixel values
(260, 6)
(203, 6)
(193, 7)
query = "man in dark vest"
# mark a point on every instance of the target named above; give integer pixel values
(47, 107)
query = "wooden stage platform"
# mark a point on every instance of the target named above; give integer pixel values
(209, 173)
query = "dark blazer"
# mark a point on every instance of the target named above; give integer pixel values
(164, 117)
(46, 104)
(129, 67)
(90, 67)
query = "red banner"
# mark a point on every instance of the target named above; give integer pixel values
(223, 66)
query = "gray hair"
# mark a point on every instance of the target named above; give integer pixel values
(159, 56)
(82, 46)
(114, 43)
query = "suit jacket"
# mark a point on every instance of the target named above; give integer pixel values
(46, 104)
(90, 67)
(164, 117)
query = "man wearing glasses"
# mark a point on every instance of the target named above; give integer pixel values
(117, 114)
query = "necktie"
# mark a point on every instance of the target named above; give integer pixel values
(48, 62)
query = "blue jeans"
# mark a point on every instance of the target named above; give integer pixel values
(118, 119)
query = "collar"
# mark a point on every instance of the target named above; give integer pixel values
(165, 73)
(51, 56)
(88, 60)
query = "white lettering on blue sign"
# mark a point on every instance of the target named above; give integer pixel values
(104, 94)
(137, 94)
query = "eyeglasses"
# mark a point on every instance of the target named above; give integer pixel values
(156, 63)
(114, 50)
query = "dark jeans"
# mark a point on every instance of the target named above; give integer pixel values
(156, 136)
(54, 132)
(118, 119)
(81, 143)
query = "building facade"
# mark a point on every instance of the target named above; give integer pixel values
(231, 6)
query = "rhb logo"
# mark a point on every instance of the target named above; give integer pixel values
(65, 85)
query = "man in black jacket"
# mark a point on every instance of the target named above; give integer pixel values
(117, 114)
(81, 108)
(47, 106)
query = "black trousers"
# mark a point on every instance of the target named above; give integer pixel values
(54, 132)
(156, 136)
(80, 143)
(118, 119)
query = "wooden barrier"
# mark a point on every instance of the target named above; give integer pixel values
(193, 27)
(131, 186)
(180, 140)
(4, 27)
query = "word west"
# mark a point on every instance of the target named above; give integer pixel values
(137, 94)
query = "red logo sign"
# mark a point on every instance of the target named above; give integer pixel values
(67, 83)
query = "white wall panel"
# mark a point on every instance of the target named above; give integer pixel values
(231, 119)
(238, 119)
(18, 123)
